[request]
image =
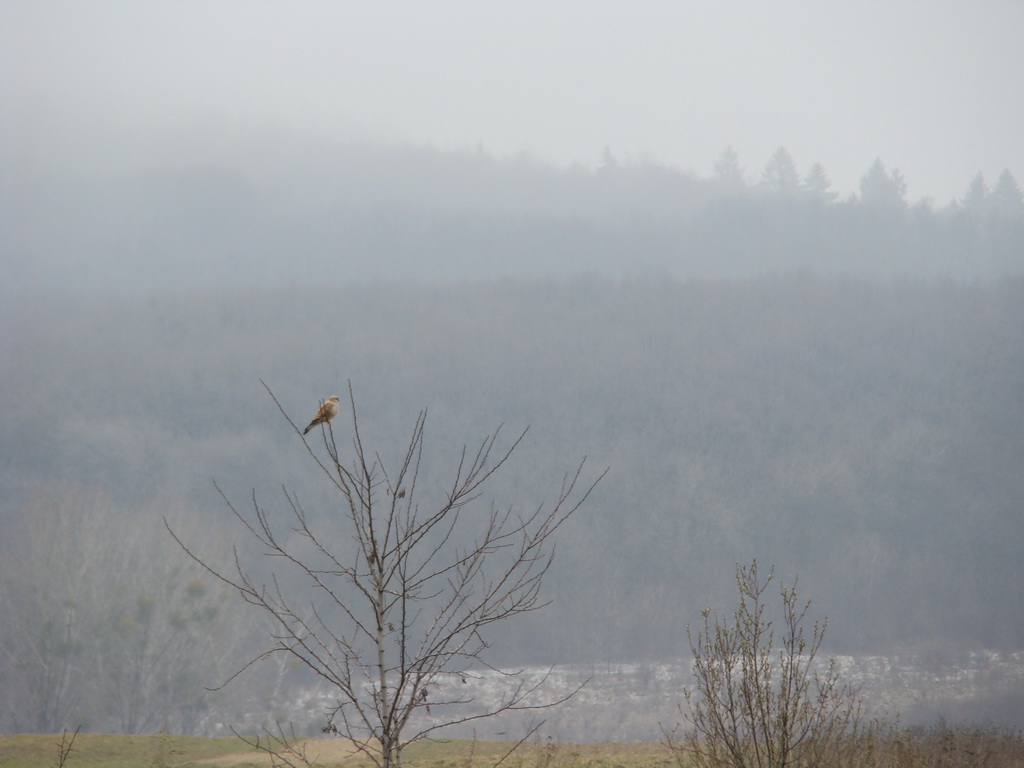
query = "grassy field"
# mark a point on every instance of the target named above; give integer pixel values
(941, 745)
(92, 750)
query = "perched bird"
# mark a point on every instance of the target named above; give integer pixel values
(328, 410)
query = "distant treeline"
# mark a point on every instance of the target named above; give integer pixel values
(331, 215)
(865, 435)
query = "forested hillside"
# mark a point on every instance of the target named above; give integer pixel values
(271, 213)
(867, 435)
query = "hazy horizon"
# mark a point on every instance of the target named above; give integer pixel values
(928, 87)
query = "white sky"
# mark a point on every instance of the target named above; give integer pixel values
(933, 87)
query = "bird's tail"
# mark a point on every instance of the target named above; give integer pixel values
(306, 430)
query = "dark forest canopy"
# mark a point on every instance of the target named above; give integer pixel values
(328, 215)
(865, 435)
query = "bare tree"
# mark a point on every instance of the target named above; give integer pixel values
(755, 705)
(101, 622)
(385, 598)
(65, 746)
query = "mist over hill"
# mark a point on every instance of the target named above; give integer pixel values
(273, 210)
(831, 386)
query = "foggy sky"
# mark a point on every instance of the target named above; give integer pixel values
(929, 86)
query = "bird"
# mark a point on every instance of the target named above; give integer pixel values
(327, 411)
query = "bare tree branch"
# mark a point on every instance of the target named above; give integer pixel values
(387, 594)
(756, 704)
(64, 748)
